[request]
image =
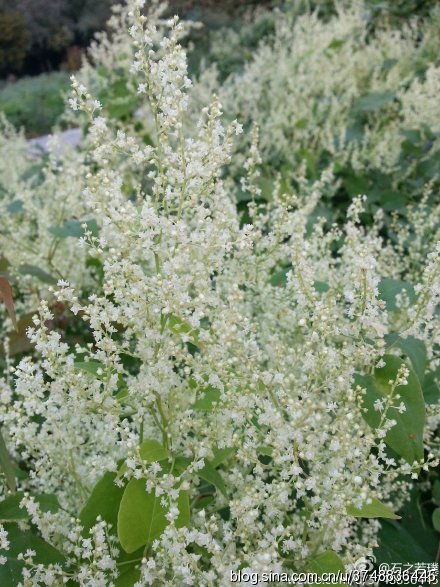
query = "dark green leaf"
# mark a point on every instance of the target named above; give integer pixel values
(74, 228)
(103, 501)
(406, 437)
(321, 286)
(38, 273)
(15, 207)
(265, 450)
(279, 278)
(431, 387)
(411, 539)
(210, 474)
(436, 492)
(6, 465)
(129, 575)
(10, 510)
(20, 541)
(389, 288)
(414, 349)
(373, 101)
(221, 455)
(436, 519)
(388, 64)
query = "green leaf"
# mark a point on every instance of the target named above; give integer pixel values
(203, 502)
(121, 108)
(141, 517)
(356, 184)
(326, 562)
(97, 267)
(373, 101)
(20, 541)
(10, 510)
(6, 465)
(207, 399)
(118, 89)
(265, 450)
(337, 43)
(220, 455)
(122, 395)
(210, 474)
(181, 464)
(409, 540)
(406, 437)
(389, 288)
(388, 64)
(436, 492)
(431, 387)
(91, 367)
(184, 517)
(103, 501)
(74, 228)
(102, 71)
(38, 273)
(279, 278)
(375, 509)
(180, 327)
(15, 207)
(301, 123)
(414, 349)
(130, 575)
(321, 286)
(436, 519)
(48, 502)
(152, 451)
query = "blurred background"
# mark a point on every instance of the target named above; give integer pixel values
(43, 41)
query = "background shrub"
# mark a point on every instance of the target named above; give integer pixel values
(35, 102)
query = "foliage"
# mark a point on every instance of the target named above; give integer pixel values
(338, 93)
(34, 102)
(225, 368)
(13, 42)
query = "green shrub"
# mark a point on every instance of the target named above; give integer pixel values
(34, 102)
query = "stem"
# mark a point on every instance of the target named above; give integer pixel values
(163, 419)
(7, 466)
(141, 431)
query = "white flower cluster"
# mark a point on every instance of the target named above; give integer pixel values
(230, 343)
(311, 85)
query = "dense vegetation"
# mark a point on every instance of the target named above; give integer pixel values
(226, 353)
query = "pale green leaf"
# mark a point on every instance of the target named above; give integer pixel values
(326, 562)
(152, 451)
(141, 517)
(375, 509)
